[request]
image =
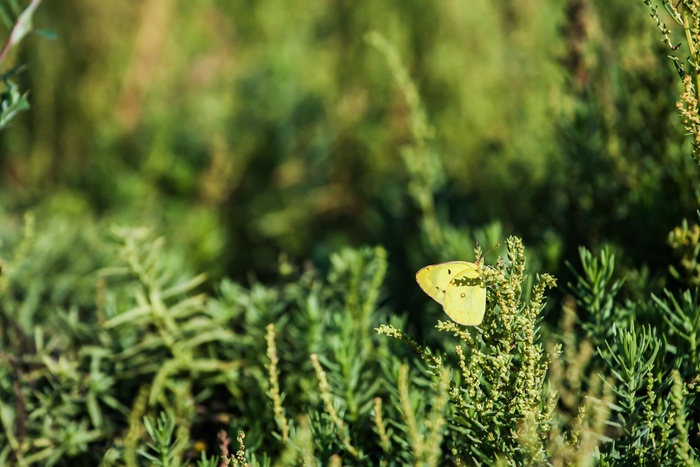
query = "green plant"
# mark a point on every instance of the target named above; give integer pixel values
(649, 368)
(497, 391)
(596, 289)
(682, 318)
(686, 15)
(114, 352)
(164, 450)
(685, 241)
(425, 171)
(12, 101)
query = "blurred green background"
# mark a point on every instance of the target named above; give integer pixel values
(244, 130)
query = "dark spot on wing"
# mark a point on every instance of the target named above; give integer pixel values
(467, 281)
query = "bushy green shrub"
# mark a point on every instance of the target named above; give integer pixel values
(114, 351)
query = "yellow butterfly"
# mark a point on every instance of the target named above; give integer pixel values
(456, 286)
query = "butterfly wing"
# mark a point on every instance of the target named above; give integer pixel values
(435, 279)
(465, 297)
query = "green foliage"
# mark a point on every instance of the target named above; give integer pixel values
(424, 139)
(685, 15)
(652, 368)
(596, 290)
(685, 241)
(682, 318)
(252, 134)
(623, 155)
(166, 451)
(157, 344)
(19, 23)
(497, 391)
(334, 390)
(11, 102)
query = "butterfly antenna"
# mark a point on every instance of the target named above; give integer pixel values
(479, 256)
(492, 248)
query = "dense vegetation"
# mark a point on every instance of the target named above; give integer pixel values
(213, 212)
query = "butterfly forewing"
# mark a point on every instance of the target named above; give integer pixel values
(435, 279)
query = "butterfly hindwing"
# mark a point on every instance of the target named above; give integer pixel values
(465, 297)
